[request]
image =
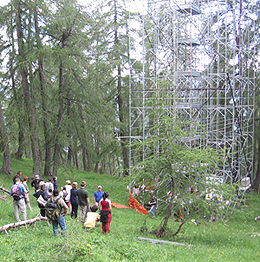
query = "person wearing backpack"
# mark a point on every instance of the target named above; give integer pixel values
(43, 193)
(19, 194)
(56, 209)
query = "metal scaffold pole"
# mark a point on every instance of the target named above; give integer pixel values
(200, 53)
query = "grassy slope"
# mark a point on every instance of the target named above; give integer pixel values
(235, 240)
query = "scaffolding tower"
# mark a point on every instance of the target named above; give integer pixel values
(202, 53)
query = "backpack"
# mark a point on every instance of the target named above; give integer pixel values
(52, 210)
(49, 187)
(16, 192)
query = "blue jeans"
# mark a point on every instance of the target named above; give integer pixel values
(151, 210)
(62, 223)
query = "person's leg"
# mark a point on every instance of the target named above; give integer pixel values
(109, 218)
(62, 224)
(16, 211)
(152, 208)
(76, 210)
(55, 228)
(104, 227)
(42, 212)
(27, 202)
(72, 210)
(81, 208)
(85, 212)
(22, 206)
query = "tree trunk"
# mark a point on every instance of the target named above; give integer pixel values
(69, 155)
(56, 157)
(6, 168)
(19, 102)
(166, 218)
(120, 103)
(47, 138)
(84, 160)
(97, 158)
(75, 160)
(23, 223)
(83, 140)
(60, 114)
(30, 105)
(75, 154)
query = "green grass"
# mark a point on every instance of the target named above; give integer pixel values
(235, 239)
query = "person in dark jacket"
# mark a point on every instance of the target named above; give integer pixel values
(55, 183)
(73, 200)
(41, 192)
(18, 175)
(36, 183)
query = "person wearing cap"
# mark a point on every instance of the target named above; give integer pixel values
(98, 195)
(36, 183)
(84, 204)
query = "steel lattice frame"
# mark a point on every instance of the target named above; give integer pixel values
(200, 52)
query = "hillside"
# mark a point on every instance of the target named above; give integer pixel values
(236, 239)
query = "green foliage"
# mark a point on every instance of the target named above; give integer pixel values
(176, 163)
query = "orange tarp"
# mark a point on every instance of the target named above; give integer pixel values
(118, 205)
(133, 203)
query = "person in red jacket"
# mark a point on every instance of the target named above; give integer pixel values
(105, 212)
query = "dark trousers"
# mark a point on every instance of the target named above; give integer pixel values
(42, 212)
(74, 210)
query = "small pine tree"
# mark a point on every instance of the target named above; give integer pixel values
(180, 174)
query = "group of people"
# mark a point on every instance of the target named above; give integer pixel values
(68, 197)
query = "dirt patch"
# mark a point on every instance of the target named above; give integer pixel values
(3, 198)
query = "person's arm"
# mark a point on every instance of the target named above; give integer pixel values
(63, 207)
(99, 204)
(70, 195)
(88, 201)
(110, 207)
(94, 199)
(25, 194)
(65, 212)
(45, 195)
(32, 184)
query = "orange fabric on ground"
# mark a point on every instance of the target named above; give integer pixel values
(133, 203)
(118, 205)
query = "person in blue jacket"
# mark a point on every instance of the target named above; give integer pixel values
(98, 195)
(19, 194)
